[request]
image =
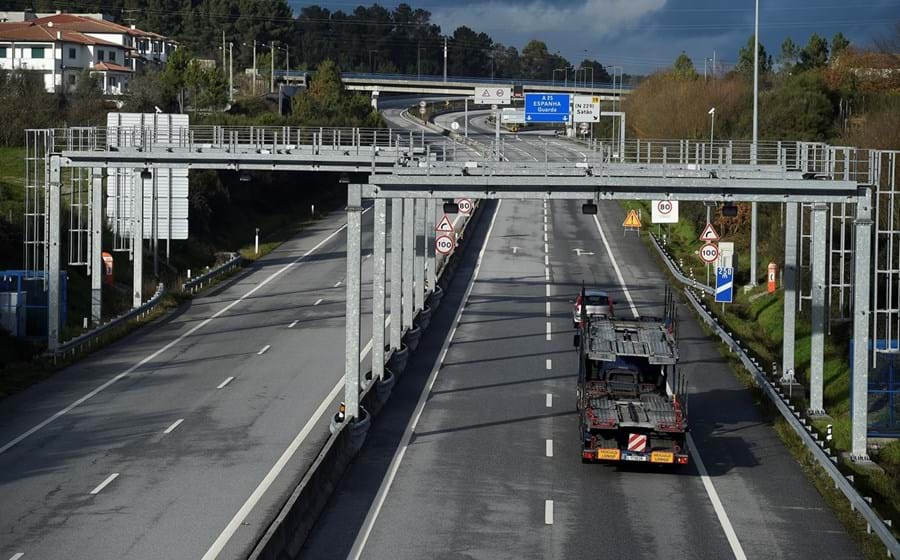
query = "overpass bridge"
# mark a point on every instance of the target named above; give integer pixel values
(453, 85)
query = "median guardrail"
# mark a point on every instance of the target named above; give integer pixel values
(822, 454)
(89, 339)
(194, 285)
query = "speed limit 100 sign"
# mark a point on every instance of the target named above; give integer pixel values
(709, 253)
(444, 244)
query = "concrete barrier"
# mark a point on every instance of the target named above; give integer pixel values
(286, 534)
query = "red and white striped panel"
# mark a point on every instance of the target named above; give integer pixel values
(637, 443)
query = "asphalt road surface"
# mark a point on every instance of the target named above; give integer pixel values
(150, 448)
(478, 453)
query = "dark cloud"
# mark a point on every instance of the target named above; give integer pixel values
(644, 35)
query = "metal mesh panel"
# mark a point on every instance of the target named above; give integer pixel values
(886, 286)
(37, 191)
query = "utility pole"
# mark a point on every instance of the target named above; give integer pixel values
(445, 58)
(754, 147)
(223, 51)
(254, 67)
(272, 52)
(287, 62)
(230, 71)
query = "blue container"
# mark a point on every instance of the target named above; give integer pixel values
(32, 283)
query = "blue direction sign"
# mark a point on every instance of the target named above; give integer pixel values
(724, 284)
(547, 107)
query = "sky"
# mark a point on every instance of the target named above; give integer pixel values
(646, 35)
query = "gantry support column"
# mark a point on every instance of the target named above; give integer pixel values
(96, 256)
(862, 274)
(137, 237)
(396, 272)
(354, 260)
(378, 278)
(818, 315)
(54, 217)
(421, 223)
(430, 223)
(409, 249)
(790, 286)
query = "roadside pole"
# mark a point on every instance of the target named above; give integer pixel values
(351, 356)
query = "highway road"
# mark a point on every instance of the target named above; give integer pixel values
(151, 447)
(478, 454)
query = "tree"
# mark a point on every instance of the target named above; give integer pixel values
(745, 59)
(599, 75)
(684, 67)
(800, 109)
(327, 103)
(815, 54)
(790, 53)
(538, 64)
(838, 44)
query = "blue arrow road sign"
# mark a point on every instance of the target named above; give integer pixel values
(724, 284)
(547, 107)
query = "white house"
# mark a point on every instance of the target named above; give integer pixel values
(144, 48)
(75, 42)
(62, 55)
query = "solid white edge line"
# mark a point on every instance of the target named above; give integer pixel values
(616, 267)
(549, 363)
(724, 521)
(375, 509)
(548, 448)
(174, 425)
(549, 400)
(224, 383)
(105, 483)
(721, 514)
(169, 345)
(292, 325)
(264, 349)
(16, 556)
(548, 512)
(219, 544)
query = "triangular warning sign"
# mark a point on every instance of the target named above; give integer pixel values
(709, 234)
(632, 220)
(485, 93)
(444, 226)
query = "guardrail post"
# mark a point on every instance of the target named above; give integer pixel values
(137, 235)
(419, 283)
(862, 268)
(53, 270)
(396, 272)
(817, 339)
(409, 248)
(378, 289)
(354, 259)
(97, 268)
(790, 286)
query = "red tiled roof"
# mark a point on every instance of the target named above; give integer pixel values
(39, 33)
(90, 25)
(111, 67)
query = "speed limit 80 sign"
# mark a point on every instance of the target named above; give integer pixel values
(664, 211)
(465, 206)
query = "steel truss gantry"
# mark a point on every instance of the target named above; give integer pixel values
(412, 173)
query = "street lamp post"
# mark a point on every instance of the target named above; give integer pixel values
(272, 60)
(230, 71)
(712, 130)
(754, 146)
